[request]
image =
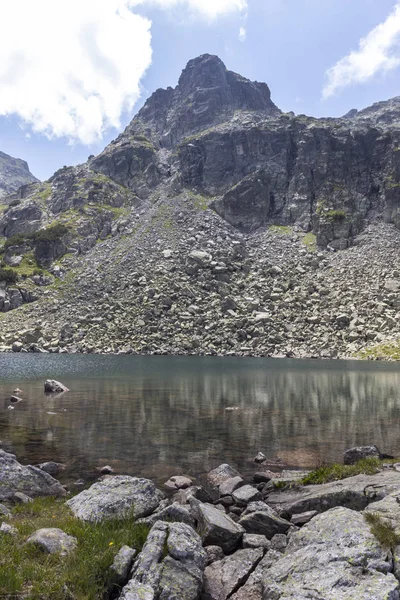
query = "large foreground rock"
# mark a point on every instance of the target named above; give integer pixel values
(354, 492)
(333, 557)
(224, 577)
(116, 497)
(29, 480)
(170, 566)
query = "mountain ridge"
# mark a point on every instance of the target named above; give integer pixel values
(213, 206)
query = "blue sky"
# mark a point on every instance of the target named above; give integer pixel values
(289, 44)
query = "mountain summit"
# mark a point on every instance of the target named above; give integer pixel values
(14, 172)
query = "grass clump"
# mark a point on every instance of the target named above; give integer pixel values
(310, 241)
(27, 573)
(51, 234)
(281, 229)
(325, 474)
(383, 530)
(388, 351)
(8, 275)
(335, 215)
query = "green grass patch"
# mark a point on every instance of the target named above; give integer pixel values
(280, 229)
(335, 215)
(388, 351)
(8, 275)
(29, 574)
(325, 474)
(310, 242)
(383, 530)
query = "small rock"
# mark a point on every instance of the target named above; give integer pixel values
(53, 541)
(8, 529)
(303, 518)
(214, 553)
(21, 498)
(15, 399)
(52, 468)
(252, 540)
(246, 494)
(353, 455)
(228, 486)
(221, 474)
(279, 542)
(178, 482)
(51, 386)
(260, 458)
(106, 470)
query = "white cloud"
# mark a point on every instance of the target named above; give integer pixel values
(211, 9)
(242, 34)
(378, 52)
(71, 68)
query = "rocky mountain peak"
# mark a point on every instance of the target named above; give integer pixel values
(207, 94)
(14, 172)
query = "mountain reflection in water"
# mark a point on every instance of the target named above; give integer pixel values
(158, 416)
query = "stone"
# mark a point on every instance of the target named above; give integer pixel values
(223, 577)
(21, 498)
(27, 480)
(353, 455)
(53, 541)
(264, 521)
(15, 399)
(52, 468)
(252, 588)
(5, 512)
(214, 553)
(216, 528)
(203, 259)
(303, 518)
(176, 575)
(17, 346)
(172, 513)
(8, 529)
(194, 491)
(260, 458)
(279, 542)
(51, 386)
(122, 564)
(178, 482)
(252, 540)
(246, 494)
(228, 486)
(116, 497)
(221, 474)
(354, 492)
(264, 476)
(106, 470)
(334, 556)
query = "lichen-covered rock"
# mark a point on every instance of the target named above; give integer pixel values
(53, 541)
(174, 512)
(121, 566)
(221, 474)
(176, 576)
(17, 478)
(216, 528)
(354, 492)
(259, 518)
(335, 556)
(116, 497)
(223, 577)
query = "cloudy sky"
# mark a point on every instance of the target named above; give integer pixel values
(72, 74)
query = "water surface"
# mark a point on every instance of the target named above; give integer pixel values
(158, 416)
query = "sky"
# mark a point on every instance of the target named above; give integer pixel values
(73, 74)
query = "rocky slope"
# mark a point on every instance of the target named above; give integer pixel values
(215, 224)
(14, 172)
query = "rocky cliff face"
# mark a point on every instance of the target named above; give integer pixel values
(213, 207)
(14, 172)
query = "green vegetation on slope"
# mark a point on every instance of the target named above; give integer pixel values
(29, 574)
(383, 531)
(324, 474)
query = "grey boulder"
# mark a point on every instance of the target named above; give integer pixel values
(263, 521)
(223, 577)
(333, 557)
(51, 386)
(246, 494)
(178, 575)
(221, 474)
(16, 478)
(173, 513)
(216, 528)
(119, 570)
(53, 541)
(116, 497)
(353, 455)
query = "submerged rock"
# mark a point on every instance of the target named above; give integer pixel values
(116, 497)
(51, 386)
(16, 478)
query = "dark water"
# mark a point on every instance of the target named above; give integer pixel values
(158, 416)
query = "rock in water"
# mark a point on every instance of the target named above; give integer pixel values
(53, 541)
(51, 386)
(28, 480)
(353, 455)
(335, 556)
(116, 497)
